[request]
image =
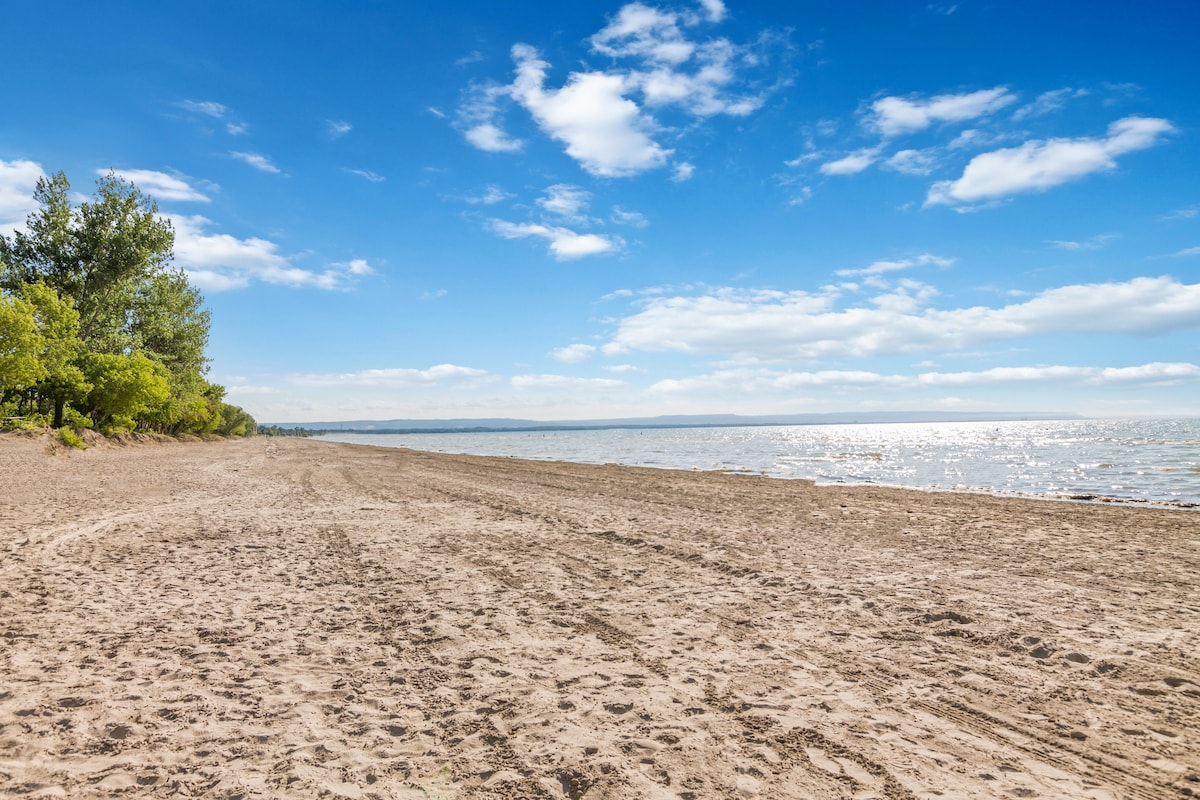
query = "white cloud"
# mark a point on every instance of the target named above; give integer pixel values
(602, 129)
(852, 164)
(565, 244)
(800, 325)
(477, 118)
(574, 353)
(701, 92)
(221, 262)
(487, 136)
(492, 194)
(644, 32)
(1048, 102)
(1043, 164)
(767, 381)
(337, 128)
(884, 266)
(634, 218)
(683, 171)
(1094, 243)
(357, 266)
(1191, 251)
(800, 196)
(715, 9)
(259, 162)
(892, 116)
(18, 180)
(159, 185)
(389, 377)
(244, 389)
(600, 115)
(367, 175)
(912, 162)
(566, 201)
(1182, 213)
(563, 382)
(207, 108)
(215, 110)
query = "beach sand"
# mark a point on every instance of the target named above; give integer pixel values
(290, 618)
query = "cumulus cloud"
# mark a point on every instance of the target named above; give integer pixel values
(491, 195)
(18, 180)
(644, 32)
(912, 162)
(801, 325)
(885, 266)
(206, 107)
(715, 9)
(1048, 102)
(221, 262)
(602, 129)
(683, 172)
(892, 116)
(390, 377)
(258, 161)
(602, 116)
(1043, 164)
(565, 244)
(765, 381)
(566, 201)
(357, 266)
(486, 136)
(852, 164)
(159, 185)
(622, 216)
(563, 382)
(336, 128)
(573, 353)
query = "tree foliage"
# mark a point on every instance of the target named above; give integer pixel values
(98, 326)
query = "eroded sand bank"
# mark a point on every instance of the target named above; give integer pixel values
(284, 618)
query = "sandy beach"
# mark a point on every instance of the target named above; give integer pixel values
(290, 618)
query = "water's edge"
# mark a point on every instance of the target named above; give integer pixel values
(1137, 462)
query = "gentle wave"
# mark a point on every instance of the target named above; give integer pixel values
(1146, 461)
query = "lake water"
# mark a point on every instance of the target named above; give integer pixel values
(1153, 460)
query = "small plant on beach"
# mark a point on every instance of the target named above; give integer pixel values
(70, 438)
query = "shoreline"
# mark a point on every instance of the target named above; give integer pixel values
(1082, 497)
(280, 617)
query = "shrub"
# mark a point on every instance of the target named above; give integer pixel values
(68, 436)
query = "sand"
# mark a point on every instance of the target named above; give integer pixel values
(289, 618)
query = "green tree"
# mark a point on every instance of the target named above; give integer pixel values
(124, 387)
(21, 345)
(101, 283)
(58, 324)
(99, 255)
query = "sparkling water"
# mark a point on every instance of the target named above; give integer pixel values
(1150, 460)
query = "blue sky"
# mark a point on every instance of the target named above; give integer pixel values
(596, 209)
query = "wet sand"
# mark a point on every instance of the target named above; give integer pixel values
(289, 618)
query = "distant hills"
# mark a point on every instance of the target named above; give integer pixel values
(668, 421)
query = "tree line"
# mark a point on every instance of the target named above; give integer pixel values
(98, 329)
